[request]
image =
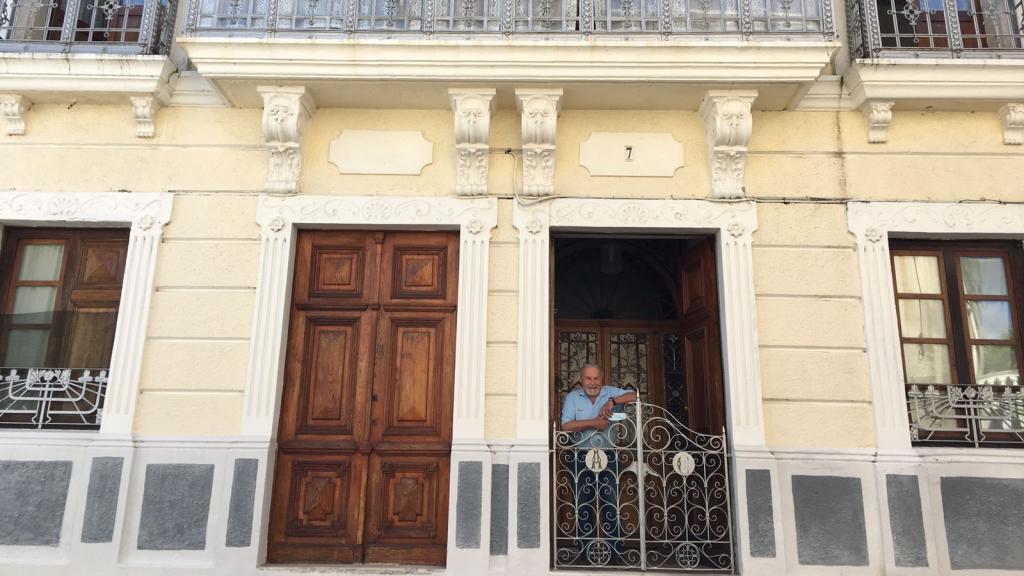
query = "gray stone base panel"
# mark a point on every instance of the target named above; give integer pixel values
(197, 508)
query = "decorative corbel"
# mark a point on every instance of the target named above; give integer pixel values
(539, 111)
(472, 109)
(286, 109)
(1012, 116)
(879, 116)
(729, 126)
(144, 110)
(13, 108)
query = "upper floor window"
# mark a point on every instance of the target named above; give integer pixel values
(60, 290)
(958, 306)
(130, 26)
(929, 25)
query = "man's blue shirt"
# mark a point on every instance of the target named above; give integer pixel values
(577, 406)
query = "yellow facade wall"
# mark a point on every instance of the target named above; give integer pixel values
(810, 319)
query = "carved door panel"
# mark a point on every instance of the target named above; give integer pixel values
(407, 505)
(365, 429)
(701, 348)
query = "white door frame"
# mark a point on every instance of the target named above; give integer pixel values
(732, 223)
(279, 217)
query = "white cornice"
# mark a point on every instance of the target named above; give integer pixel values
(101, 77)
(727, 61)
(935, 80)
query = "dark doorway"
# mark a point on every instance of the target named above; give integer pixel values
(650, 489)
(646, 310)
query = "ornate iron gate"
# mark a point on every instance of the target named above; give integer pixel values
(647, 493)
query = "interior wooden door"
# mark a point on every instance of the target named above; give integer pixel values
(702, 354)
(365, 429)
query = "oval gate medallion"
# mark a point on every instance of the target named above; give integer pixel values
(683, 464)
(597, 460)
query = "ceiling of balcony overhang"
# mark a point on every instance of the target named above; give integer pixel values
(577, 95)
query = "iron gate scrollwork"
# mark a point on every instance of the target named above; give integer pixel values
(648, 493)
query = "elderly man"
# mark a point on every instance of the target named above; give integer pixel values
(590, 406)
(587, 411)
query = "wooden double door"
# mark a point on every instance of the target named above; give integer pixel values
(365, 433)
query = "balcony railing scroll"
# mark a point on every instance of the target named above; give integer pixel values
(988, 414)
(52, 398)
(939, 28)
(506, 18)
(114, 26)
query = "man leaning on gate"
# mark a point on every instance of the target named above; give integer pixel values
(588, 410)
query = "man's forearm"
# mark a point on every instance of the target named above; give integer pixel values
(578, 425)
(625, 398)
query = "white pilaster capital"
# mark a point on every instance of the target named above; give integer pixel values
(879, 115)
(286, 111)
(472, 110)
(1012, 117)
(729, 125)
(539, 109)
(144, 109)
(13, 108)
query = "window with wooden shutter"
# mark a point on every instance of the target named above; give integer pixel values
(60, 292)
(958, 305)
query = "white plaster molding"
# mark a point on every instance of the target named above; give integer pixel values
(539, 117)
(1012, 117)
(286, 109)
(396, 152)
(105, 78)
(917, 83)
(732, 222)
(278, 217)
(872, 223)
(722, 62)
(654, 154)
(13, 107)
(472, 110)
(146, 213)
(879, 115)
(729, 127)
(144, 109)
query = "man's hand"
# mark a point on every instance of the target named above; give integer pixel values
(606, 410)
(601, 423)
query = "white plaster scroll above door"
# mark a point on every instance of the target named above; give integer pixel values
(631, 154)
(393, 152)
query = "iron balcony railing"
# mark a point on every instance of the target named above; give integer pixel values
(958, 28)
(497, 18)
(52, 397)
(116, 26)
(989, 414)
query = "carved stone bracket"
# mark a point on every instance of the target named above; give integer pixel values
(539, 110)
(472, 110)
(144, 110)
(286, 109)
(729, 126)
(13, 108)
(1012, 116)
(879, 116)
